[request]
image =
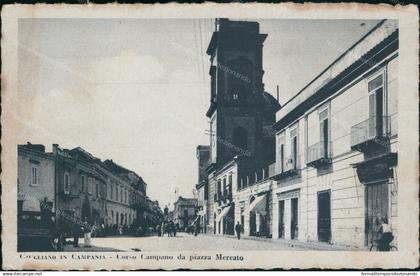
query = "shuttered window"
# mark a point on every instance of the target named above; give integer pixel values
(34, 176)
(294, 147)
(324, 133)
(66, 183)
(281, 141)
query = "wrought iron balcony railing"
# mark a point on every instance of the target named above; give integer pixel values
(290, 167)
(375, 129)
(319, 154)
(394, 124)
(272, 169)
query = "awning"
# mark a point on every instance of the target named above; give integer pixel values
(223, 213)
(259, 204)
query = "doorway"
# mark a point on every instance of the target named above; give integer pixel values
(324, 216)
(294, 219)
(376, 206)
(281, 219)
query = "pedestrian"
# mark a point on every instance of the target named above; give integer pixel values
(102, 230)
(238, 229)
(196, 227)
(76, 234)
(385, 235)
(159, 230)
(87, 234)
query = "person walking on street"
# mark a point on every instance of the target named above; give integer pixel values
(76, 234)
(87, 234)
(238, 229)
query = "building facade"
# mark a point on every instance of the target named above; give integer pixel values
(336, 150)
(185, 212)
(36, 174)
(334, 170)
(202, 187)
(80, 188)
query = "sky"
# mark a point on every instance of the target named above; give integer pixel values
(136, 90)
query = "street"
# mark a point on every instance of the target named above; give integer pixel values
(186, 242)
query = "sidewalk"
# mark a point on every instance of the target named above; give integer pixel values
(294, 243)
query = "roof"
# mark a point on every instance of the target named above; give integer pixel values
(357, 56)
(271, 102)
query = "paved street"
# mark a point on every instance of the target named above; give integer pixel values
(186, 242)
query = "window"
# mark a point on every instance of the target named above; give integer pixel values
(324, 133)
(104, 191)
(292, 161)
(116, 193)
(82, 183)
(281, 152)
(112, 191)
(97, 189)
(219, 188)
(34, 176)
(224, 186)
(376, 110)
(230, 184)
(90, 185)
(66, 183)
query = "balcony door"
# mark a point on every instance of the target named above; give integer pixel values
(324, 133)
(376, 110)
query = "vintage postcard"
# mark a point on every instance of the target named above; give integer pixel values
(215, 136)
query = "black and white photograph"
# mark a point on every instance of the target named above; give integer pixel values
(222, 136)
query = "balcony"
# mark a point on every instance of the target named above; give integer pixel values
(291, 168)
(373, 132)
(319, 154)
(225, 197)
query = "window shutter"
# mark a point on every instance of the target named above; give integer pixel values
(372, 112)
(321, 131)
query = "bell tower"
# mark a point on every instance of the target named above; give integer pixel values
(239, 107)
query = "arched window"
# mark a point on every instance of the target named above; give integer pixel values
(240, 140)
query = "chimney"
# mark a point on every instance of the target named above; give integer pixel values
(55, 149)
(277, 93)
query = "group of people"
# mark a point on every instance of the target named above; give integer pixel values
(167, 227)
(84, 229)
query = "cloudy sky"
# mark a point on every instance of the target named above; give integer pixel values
(136, 90)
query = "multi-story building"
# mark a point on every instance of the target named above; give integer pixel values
(36, 174)
(80, 187)
(202, 188)
(336, 150)
(185, 212)
(240, 114)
